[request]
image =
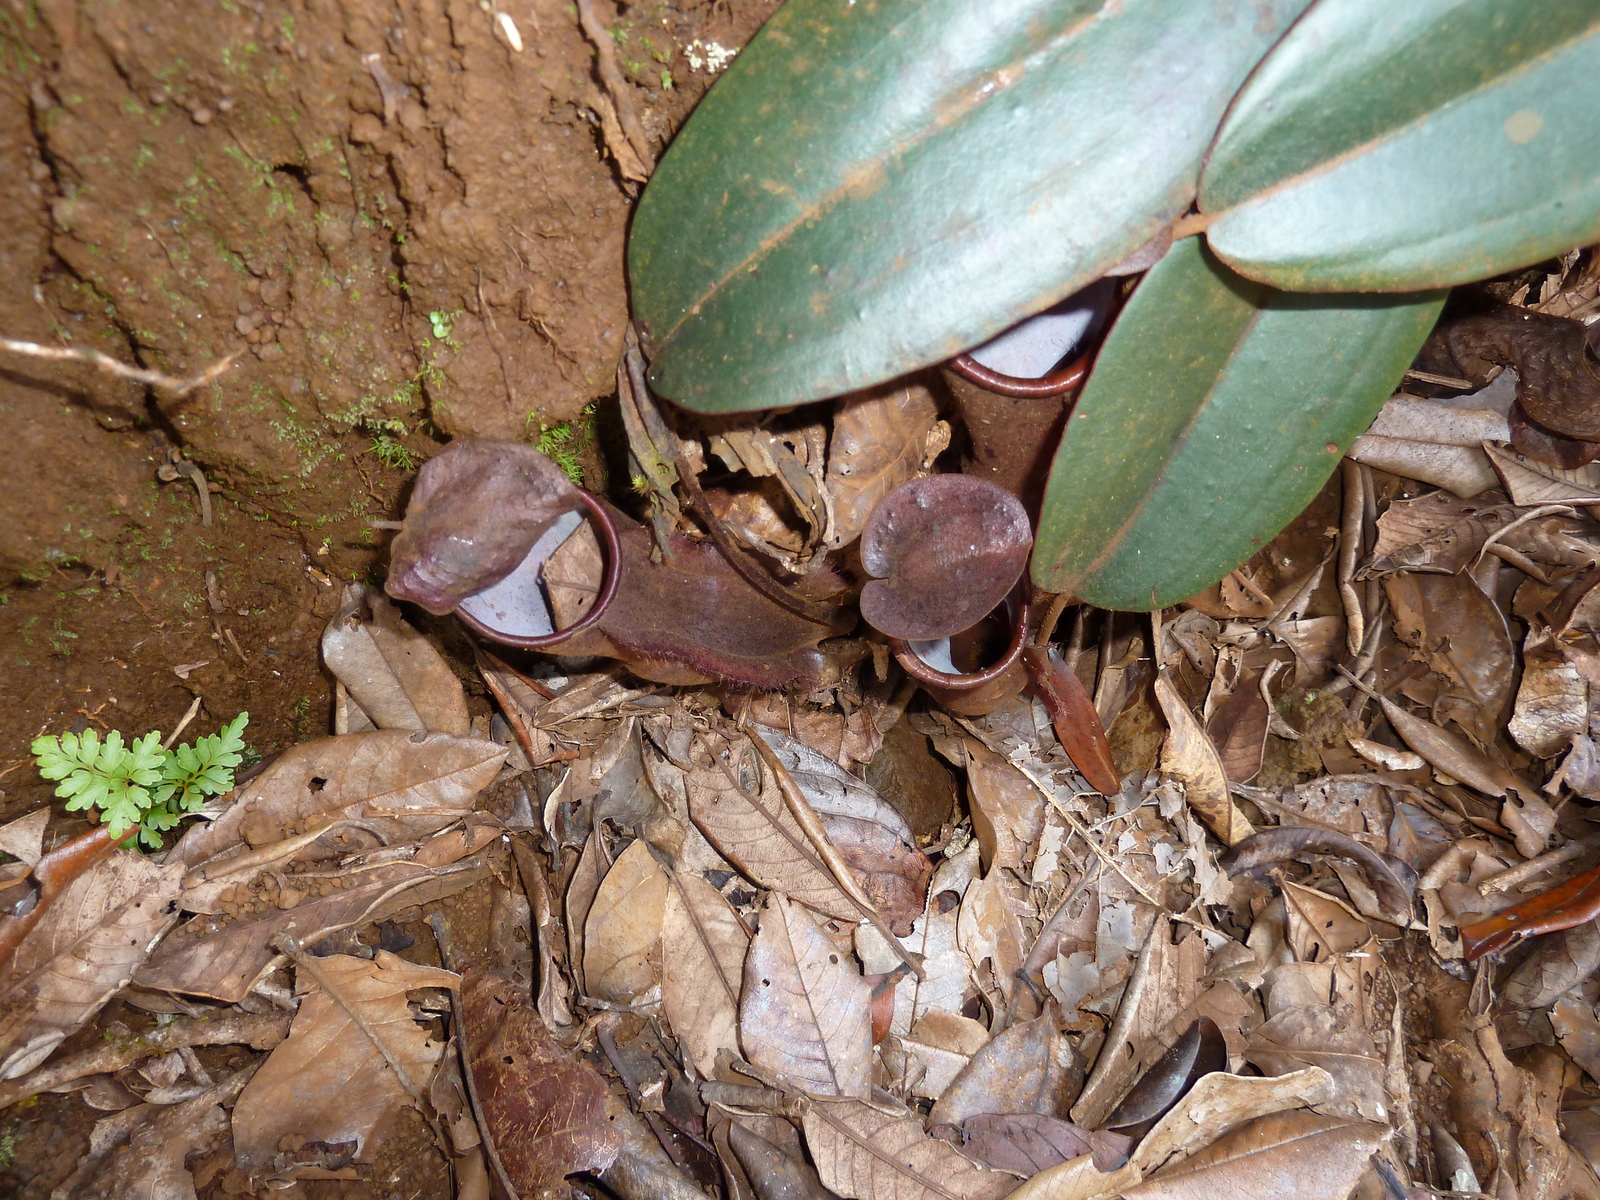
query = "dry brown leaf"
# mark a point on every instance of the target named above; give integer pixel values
(737, 805)
(545, 1110)
(774, 1174)
(519, 701)
(805, 1012)
(1024, 1069)
(1559, 962)
(1007, 809)
(703, 948)
(1164, 984)
(1189, 757)
(592, 866)
(1330, 1037)
(1288, 1156)
(144, 1154)
(85, 949)
(390, 669)
(871, 836)
(1552, 700)
(23, 838)
(329, 1081)
(935, 937)
(865, 1154)
(622, 933)
(1530, 482)
(880, 440)
(1028, 1143)
(1437, 532)
(404, 784)
(1459, 633)
(223, 957)
(989, 931)
(1238, 729)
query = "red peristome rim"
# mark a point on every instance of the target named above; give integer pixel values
(923, 673)
(1061, 382)
(608, 589)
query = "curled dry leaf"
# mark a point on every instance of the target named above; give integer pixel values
(863, 1153)
(1288, 1156)
(401, 783)
(1073, 715)
(1200, 1051)
(1189, 756)
(476, 511)
(943, 551)
(545, 1110)
(774, 1174)
(1394, 881)
(82, 952)
(880, 440)
(735, 801)
(330, 1082)
(390, 669)
(622, 933)
(805, 1012)
(703, 948)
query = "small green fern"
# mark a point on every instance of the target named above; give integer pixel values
(140, 782)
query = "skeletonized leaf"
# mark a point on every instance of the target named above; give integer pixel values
(406, 784)
(328, 1081)
(85, 949)
(703, 947)
(1287, 1156)
(622, 934)
(742, 814)
(805, 1012)
(864, 1154)
(1189, 755)
(390, 669)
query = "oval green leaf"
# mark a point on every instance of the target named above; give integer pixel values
(877, 185)
(1216, 410)
(1394, 145)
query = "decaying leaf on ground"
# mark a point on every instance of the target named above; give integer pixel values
(355, 1051)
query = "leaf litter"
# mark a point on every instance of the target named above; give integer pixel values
(1288, 892)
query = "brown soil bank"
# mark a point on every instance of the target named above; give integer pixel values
(404, 227)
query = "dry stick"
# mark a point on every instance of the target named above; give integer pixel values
(1352, 516)
(260, 1032)
(183, 724)
(611, 75)
(441, 935)
(104, 362)
(811, 824)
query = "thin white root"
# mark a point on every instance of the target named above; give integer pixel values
(104, 362)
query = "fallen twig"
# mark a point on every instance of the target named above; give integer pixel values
(617, 86)
(104, 362)
(259, 1032)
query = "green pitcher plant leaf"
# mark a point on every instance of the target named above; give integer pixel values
(1394, 145)
(1217, 409)
(877, 185)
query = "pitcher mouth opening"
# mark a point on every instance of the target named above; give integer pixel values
(932, 662)
(517, 610)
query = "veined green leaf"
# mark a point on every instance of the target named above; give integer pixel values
(1216, 410)
(876, 185)
(1392, 145)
